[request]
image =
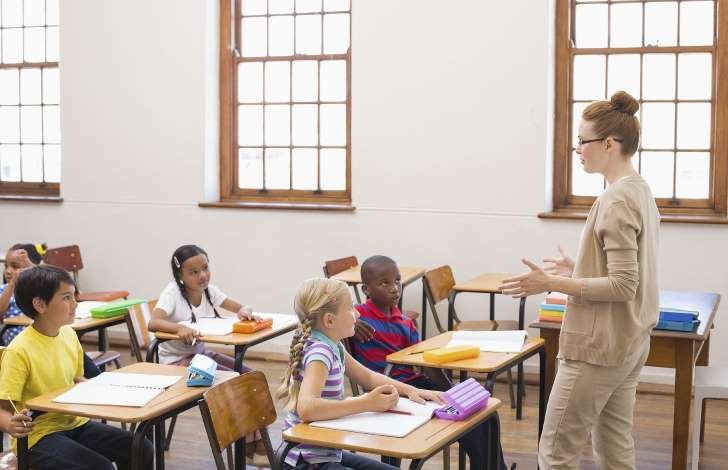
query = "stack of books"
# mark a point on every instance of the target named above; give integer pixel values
(675, 319)
(552, 308)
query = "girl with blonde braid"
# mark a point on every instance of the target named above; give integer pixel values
(314, 381)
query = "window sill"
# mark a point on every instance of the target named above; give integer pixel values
(279, 205)
(673, 218)
(29, 198)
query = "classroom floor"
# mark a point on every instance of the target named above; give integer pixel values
(653, 431)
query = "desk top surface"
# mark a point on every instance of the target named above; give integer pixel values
(485, 362)
(353, 274)
(281, 324)
(78, 323)
(485, 283)
(171, 398)
(420, 443)
(704, 302)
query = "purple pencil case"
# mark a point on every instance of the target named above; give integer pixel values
(463, 400)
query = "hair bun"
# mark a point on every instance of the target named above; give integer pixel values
(624, 102)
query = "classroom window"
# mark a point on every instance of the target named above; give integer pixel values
(668, 55)
(285, 99)
(30, 129)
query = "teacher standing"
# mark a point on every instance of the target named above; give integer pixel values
(613, 299)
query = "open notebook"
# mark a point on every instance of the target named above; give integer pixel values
(395, 422)
(212, 326)
(83, 309)
(491, 341)
(115, 388)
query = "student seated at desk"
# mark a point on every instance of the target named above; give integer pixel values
(390, 331)
(18, 257)
(22, 256)
(189, 297)
(314, 381)
(46, 294)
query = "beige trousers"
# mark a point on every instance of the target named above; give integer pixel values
(592, 398)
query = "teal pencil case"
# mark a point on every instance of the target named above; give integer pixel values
(201, 371)
(113, 309)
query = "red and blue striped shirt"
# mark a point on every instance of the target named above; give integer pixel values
(392, 333)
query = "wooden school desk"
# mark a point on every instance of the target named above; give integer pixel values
(675, 350)
(174, 400)
(80, 325)
(419, 445)
(281, 324)
(489, 283)
(410, 274)
(489, 363)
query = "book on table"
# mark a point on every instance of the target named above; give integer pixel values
(117, 388)
(491, 341)
(397, 422)
(678, 315)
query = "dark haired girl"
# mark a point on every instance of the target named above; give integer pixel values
(190, 297)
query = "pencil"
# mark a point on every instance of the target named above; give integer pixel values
(16, 410)
(399, 412)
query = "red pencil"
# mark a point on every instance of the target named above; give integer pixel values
(399, 412)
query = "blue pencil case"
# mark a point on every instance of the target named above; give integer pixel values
(201, 371)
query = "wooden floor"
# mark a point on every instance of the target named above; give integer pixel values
(653, 431)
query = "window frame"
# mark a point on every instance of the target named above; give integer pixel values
(31, 190)
(230, 194)
(565, 204)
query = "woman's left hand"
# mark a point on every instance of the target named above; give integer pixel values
(419, 396)
(533, 282)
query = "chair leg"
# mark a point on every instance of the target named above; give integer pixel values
(168, 441)
(697, 406)
(511, 395)
(446, 458)
(117, 364)
(230, 459)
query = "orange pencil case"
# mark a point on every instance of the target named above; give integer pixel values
(251, 326)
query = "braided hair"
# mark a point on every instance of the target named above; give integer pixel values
(179, 256)
(315, 298)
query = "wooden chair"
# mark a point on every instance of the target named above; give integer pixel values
(249, 396)
(141, 338)
(438, 285)
(335, 266)
(69, 258)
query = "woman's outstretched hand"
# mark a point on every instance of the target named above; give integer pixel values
(533, 282)
(563, 266)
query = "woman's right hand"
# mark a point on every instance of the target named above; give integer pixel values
(187, 334)
(563, 266)
(382, 398)
(20, 425)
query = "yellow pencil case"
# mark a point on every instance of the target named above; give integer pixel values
(455, 353)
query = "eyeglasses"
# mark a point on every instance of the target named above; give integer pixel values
(581, 143)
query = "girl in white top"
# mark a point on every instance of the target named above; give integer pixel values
(189, 297)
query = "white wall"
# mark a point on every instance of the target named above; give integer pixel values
(450, 155)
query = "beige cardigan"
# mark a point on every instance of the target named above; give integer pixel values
(617, 266)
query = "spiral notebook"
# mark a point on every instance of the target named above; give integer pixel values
(119, 389)
(397, 422)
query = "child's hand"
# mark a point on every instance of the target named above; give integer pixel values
(187, 334)
(363, 331)
(20, 424)
(21, 257)
(383, 398)
(419, 395)
(246, 314)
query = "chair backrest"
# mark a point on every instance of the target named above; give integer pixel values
(249, 396)
(66, 257)
(354, 386)
(139, 316)
(438, 284)
(335, 266)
